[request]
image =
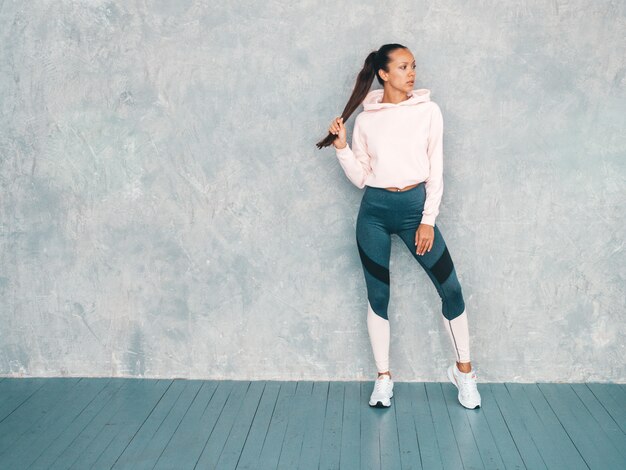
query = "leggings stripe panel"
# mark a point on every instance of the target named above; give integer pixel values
(443, 267)
(379, 272)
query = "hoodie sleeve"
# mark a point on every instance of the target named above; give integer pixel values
(356, 161)
(434, 182)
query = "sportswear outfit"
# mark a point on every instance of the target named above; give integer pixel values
(398, 145)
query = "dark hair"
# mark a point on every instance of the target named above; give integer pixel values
(375, 61)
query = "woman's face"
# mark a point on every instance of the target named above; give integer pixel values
(401, 75)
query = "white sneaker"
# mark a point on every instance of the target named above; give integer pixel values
(382, 393)
(466, 383)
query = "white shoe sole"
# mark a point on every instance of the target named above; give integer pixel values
(381, 403)
(470, 406)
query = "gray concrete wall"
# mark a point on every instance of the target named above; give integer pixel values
(164, 212)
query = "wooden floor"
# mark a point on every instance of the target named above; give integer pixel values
(55, 423)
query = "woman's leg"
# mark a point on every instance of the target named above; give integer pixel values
(440, 269)
(374, 245)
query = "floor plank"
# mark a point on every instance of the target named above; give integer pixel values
(370, 438)
(331, 439)
(32, 409)
(351, 433)
(463, 434)
(521, 435)
(214, 445)
(259, 427)
(616, 408)
(270, 453)
(407, 436)
(568, 453)
(27, 449)
(104, 403)
(131, 454)
(544, 437)
(239, 431)
(500, 430)
(14, 392)
(599, 413)
(584, 431)
(387, 425)
(424, 427)
(117, 429)
(473, 423)
(184, 447)
(146, 423)
(448, 448)
(148, 442)
(310, 455)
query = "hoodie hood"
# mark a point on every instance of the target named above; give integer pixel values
(372, 101)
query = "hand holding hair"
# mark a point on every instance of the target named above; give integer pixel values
(337, 128)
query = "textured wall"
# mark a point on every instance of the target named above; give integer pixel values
(164, 212)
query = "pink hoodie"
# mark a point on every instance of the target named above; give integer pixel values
(397, 145)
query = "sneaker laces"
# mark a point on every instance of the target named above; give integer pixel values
(469, 384)
(381, 383)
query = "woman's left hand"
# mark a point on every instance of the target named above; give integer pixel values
(424, 238)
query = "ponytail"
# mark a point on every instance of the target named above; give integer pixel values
(374, 61)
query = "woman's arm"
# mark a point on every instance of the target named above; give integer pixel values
(356, 161)
(434, 182)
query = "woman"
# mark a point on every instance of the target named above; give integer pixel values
(397, 156)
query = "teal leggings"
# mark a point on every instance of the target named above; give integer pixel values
(384, 212)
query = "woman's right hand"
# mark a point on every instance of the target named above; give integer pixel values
(337, 128)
